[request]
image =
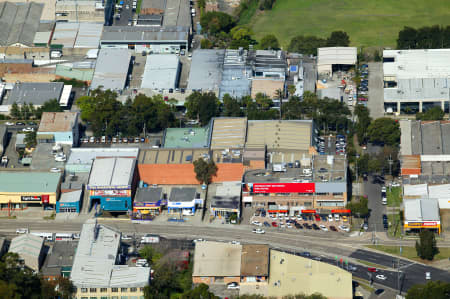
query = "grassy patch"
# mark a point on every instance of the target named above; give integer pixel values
(395, 225)
(247, 15)
(368, 23)
(410, 252)
(138, 6)
(8, 217)
(371, 264)
(394, 197)
(51, 217)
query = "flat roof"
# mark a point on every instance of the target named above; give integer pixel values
(58, 121)
(148, 194)
(266, 87)
(255, 260)
(336, 55)
(206, 69)
(187, 137)
(34, 93)
(421, 209)
(61, 254)
(177, 13)
(28, 181)
(19, 22)
(228, 196)
(291, 274)
(228, 132)
(236, 74)
(111, 70)
(182, 194)
(133, 34)
(161, 71)
(94, 263)
(280, 134)
(112, 172)
(172, 156)
(217, 259)
(73, 196)
(422, 63)
(88, 155)
(424, 137)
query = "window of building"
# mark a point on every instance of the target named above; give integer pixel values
(307, 204)
(124, 289)
(114, 290)
(103, 290)
(123, 297)
(388, 59)
(84, 290)
(93, 290)
(92, 297)
(133, 290)
(114, 297)
(321, 194)
(337, 193)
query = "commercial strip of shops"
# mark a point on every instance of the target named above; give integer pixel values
(20, 190)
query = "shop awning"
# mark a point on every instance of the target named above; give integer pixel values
(45, 136)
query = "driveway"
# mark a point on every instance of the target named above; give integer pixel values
(377, 209)
(376, 96)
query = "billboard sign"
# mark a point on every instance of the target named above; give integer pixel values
(284, 188)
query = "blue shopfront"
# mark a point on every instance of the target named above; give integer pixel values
(112, 200)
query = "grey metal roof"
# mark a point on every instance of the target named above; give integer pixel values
(161, 71)
(177, 13)
(88, 155)
(421, 209)
(19, 22)
(148, 195)
(206, 69)
(235, 75)
(94, 263)
(72, 196)
(61, 255)
(89, 35)
(112, 172)
(35, 93)
(228, 196)
(133, 34)
(111, 69)
(155, 4)
(65, 34)
(431, 138)
(182, 194)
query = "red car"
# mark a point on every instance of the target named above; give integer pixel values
(372, 269)
(274, 224)
(362, 99)
(317, 217)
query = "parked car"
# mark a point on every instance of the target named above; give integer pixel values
(233, 286)
(333, 228)
(315, 227)
(20, 123)
(344, 228)
(305, 254)
(8, 123)
(323, 227)
(381, 277)
(258, 231)
(257, 223)
(330, 218)
(28, 129)
(274, 224)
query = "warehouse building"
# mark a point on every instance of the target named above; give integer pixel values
(70, 202)
(187, 137)
(226, 201)
(30, 249)
(161, 72)
(111, 70)
(18, 189)
(145, 38)
(422, 213)
(81, 11)
(77, 35)
(228, 132)
(59, 127)
(416, 80)
(112, 183)
(59, 260)
(330, 59)
(95, 271)
(236, 74)
(36, 94)
(206, 70)
(19, 23)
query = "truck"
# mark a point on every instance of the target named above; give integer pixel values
(149, 239)
(45, 236)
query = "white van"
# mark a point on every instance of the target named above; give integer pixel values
(384, 201)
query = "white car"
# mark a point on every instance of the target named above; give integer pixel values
(28, 129)
(381, 277)
(344, 228)
(8, 123)
(55, 169)
(76, 236)
(60, 159)
(22, 231)
(383, 189)
(258, 231)
(323, 227)
(299, 217)
(233, 286)
(127, 237)
(395, 184)
(257, 223)
(288, 225)
(336, 217)
(198, 240)
(330, 218)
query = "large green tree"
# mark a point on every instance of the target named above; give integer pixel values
(202, 106)
(432, 289)
(215, 22)
(306, 44)
(363, 122)
(426, 247)
(204, 171)
(200, 291)
(231, 106)
(269, 41)
(49, 106)
(384, 130)
(338, 39)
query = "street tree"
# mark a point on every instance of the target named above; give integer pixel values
(432, 289)
(269, 41)
(231, 106)
(384, 130)
(150, 254)
(200, 291)
(363, 122)
(204, 171)
(202, 106)
(48, 106)
(426, 247)
(214, 22)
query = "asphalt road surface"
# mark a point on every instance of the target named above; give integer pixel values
(323, 246)
(377, 209)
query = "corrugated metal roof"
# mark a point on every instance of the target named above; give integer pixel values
(161, 71)
(112, 172)
(34, 93)
(206, 69)
(42, 37)
(111, 69)
(336, 55)
(131, 34)
(73, 196)
(421, 209)
(415, 190)
(89, 35)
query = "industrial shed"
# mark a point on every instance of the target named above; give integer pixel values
(327, 57)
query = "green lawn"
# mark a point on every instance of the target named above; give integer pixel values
(394, 196)
(368, 23)
(410, 252)
(395, 226)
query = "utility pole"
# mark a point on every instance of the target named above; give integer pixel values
(398, 272)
